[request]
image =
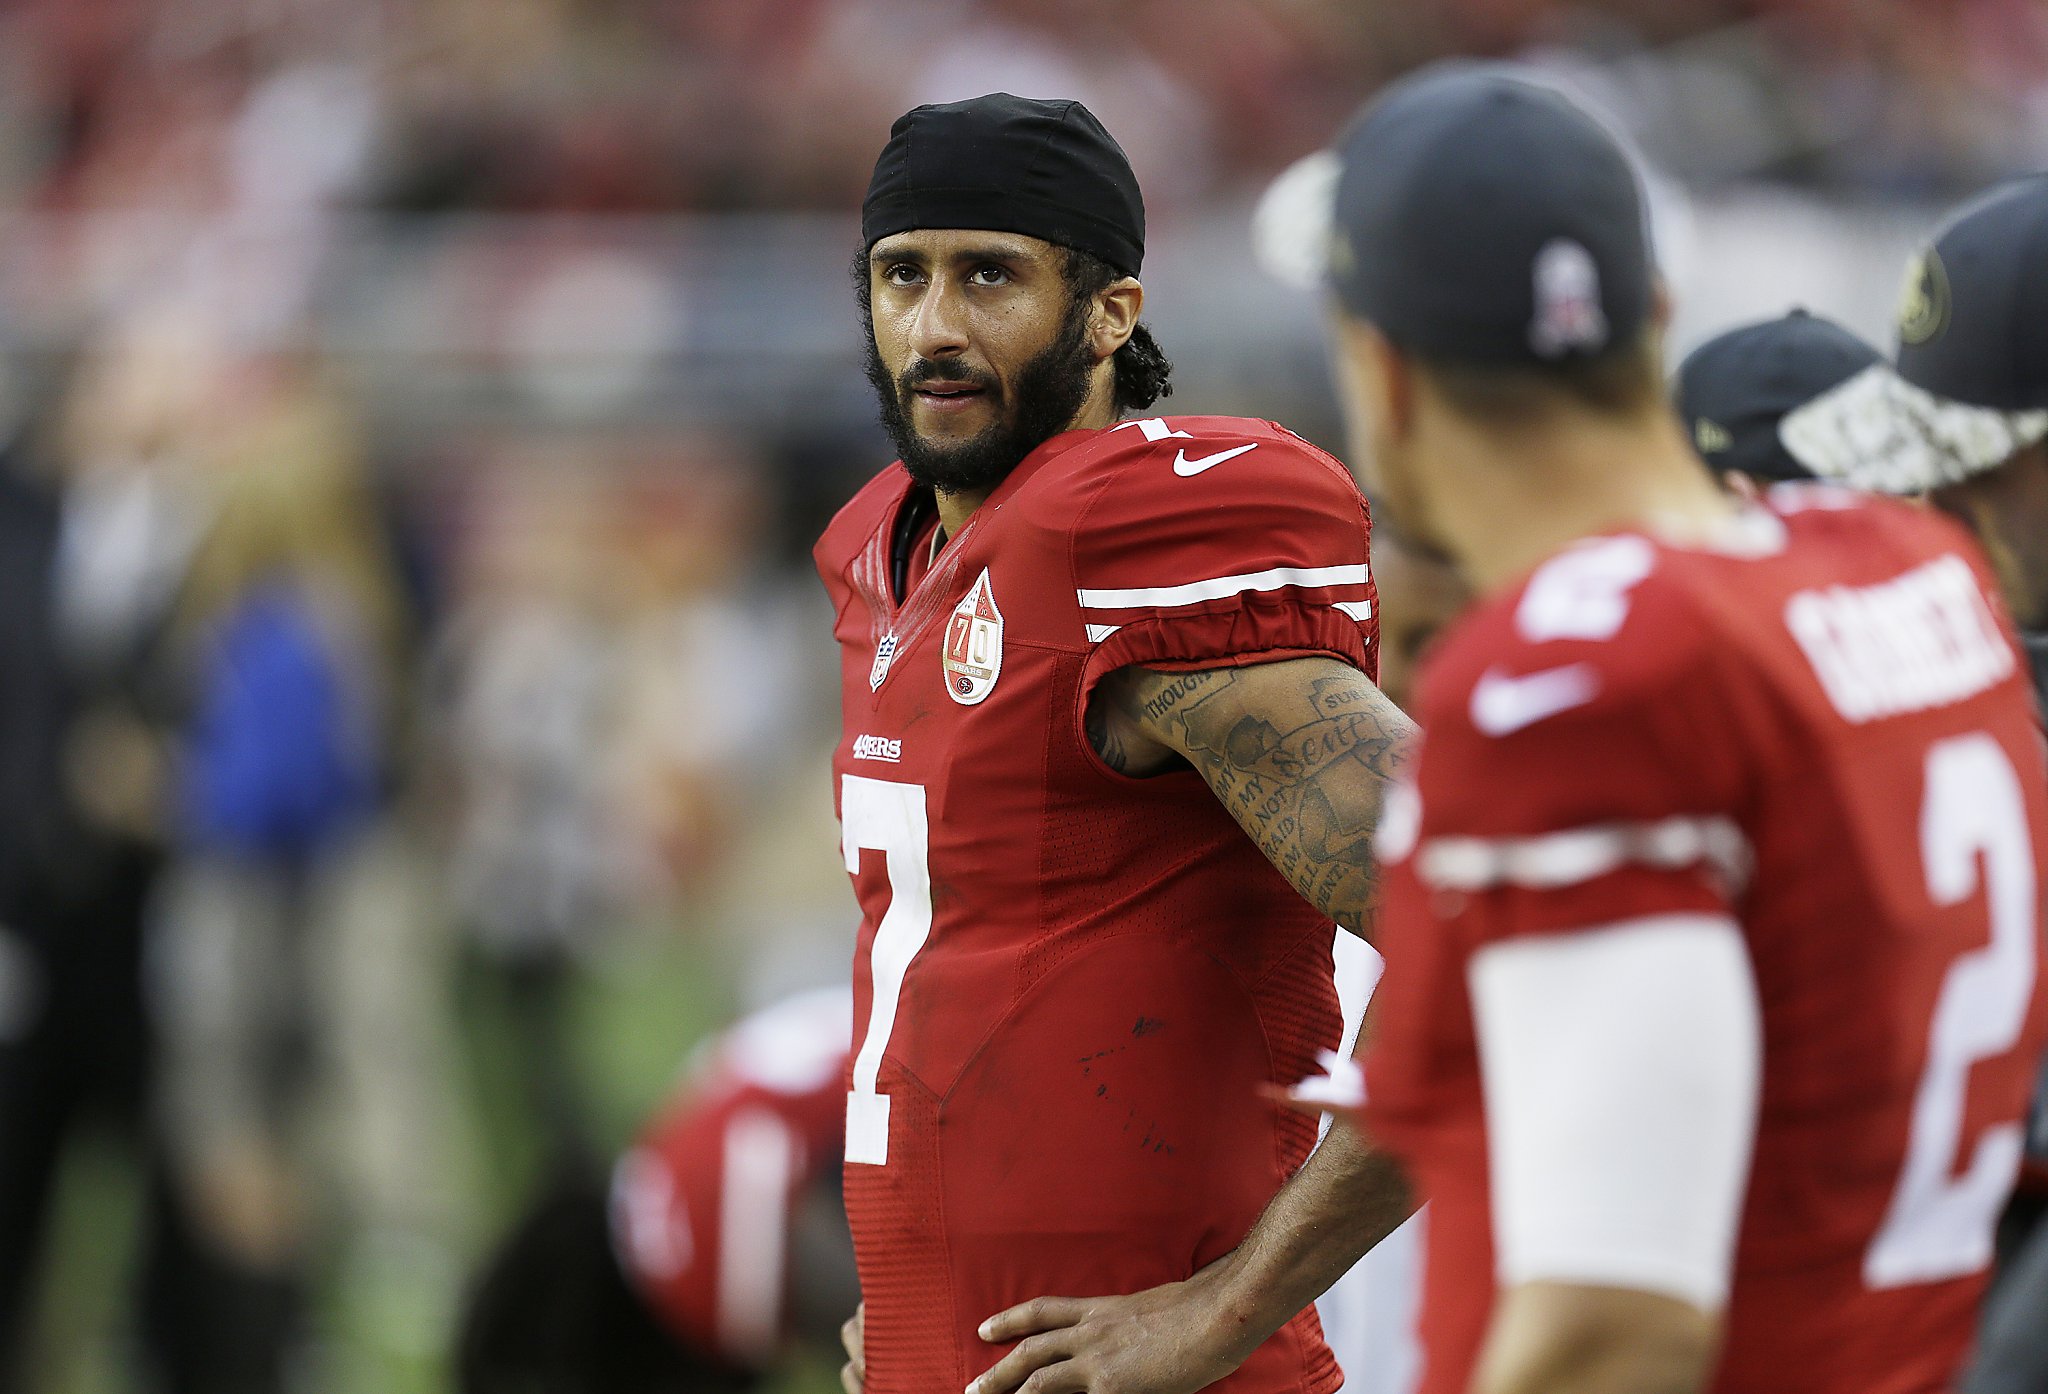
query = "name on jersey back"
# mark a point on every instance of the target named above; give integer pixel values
(1923, 639)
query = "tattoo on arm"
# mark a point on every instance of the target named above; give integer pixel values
(1299, 752)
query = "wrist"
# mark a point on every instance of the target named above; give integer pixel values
(1240, 1314)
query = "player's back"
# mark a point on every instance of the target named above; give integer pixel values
(1894, 929)
(1823, 729)
(705, 1204)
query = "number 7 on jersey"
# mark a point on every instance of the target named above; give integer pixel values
(879, 815)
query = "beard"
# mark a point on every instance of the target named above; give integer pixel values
(1047, 396)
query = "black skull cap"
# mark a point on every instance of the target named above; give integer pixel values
(1047, 169)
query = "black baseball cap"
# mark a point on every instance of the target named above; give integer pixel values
(1970, 387)
(1484, 216)
(1047, 169)
(1735, 389)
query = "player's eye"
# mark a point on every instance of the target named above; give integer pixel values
(990, 275)
(900, 273)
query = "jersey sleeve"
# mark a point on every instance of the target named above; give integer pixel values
(1207, 549)
(1570, 785)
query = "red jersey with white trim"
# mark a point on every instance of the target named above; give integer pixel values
(1069, 984)
(702, 1206)
(1824, 731)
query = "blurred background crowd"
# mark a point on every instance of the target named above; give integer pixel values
(415, 701)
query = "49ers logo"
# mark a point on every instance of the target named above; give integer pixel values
(973, 651)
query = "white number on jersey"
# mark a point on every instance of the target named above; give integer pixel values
(1939, 1224)
(1583, 592)
(879, 815)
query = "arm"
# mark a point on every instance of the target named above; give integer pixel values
(1595, 1340)
(1621, 1072)
(1184, 1336)
(1299, 751)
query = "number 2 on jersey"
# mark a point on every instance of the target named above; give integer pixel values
(1939, 1224)
(879, 815)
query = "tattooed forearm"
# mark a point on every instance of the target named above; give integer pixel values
(1299, 752)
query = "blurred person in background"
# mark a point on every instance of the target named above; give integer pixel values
(1734, 391)
(528, 671)
(285, 646)
(1962, 418)
(103, 508)
(608, 677)
(40, 1074)
(716, 1250)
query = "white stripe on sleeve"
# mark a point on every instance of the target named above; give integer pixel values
(1194, 592)
(1621, 1068)
(1576, 855)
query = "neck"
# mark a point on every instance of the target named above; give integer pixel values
(1097, 412)
(1508, 498)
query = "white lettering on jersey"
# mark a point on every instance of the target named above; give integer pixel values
(1924, 639)
(877, 748)
(1188, 469)
(1502, 704)
(1582, 593)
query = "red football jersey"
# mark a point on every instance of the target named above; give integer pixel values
(702, 1205)
(1824, 731)
(1069, 983)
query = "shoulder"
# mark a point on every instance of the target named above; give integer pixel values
(1188, 463)
(1237, 488)
(1830, 524)
(1599, 662)
(1611, 611)
(856, 523)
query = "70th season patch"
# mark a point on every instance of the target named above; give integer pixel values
(973, 651)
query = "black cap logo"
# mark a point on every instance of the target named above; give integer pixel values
(1711, 437)
(1923, 307)
(1567, 290)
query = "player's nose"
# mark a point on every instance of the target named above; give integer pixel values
(938, 329)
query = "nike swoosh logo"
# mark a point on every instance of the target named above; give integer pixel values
(1188, 469)
(1502, 704)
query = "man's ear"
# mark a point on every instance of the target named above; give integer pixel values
(1116, 314)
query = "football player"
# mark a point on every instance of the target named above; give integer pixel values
(1963, 418)
(1111, 763)
(718, 1248)
(1712, 911)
